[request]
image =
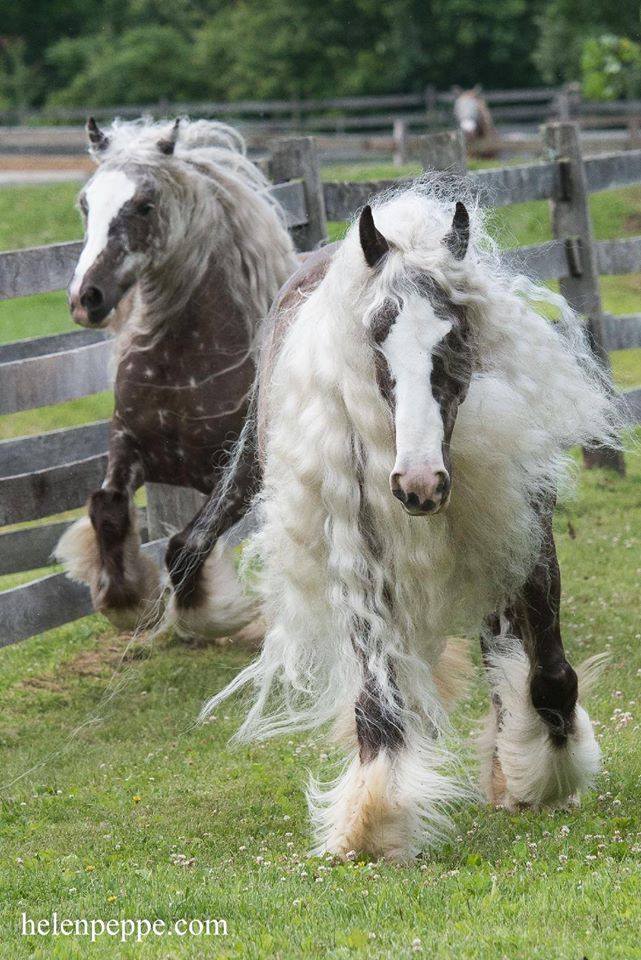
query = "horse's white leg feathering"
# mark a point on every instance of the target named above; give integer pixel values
(225, 608)
(392, 806)
(79, 552)
(521, 764)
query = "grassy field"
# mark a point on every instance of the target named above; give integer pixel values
(124, 809)
(113, 805)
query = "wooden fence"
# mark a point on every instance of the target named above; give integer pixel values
(45, 475)
(353, 127)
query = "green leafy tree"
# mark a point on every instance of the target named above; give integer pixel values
(565, 25)
(143, 65)
(611, 68)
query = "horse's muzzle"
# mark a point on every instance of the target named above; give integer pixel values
(423, 492)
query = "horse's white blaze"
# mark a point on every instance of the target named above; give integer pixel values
(105, 194)
(408, 351)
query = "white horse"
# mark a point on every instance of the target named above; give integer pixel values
(406, 364)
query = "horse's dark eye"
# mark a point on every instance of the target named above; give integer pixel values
(144, 209)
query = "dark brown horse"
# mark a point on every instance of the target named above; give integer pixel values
(184, 252)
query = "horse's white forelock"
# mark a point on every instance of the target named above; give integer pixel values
(536, 391)
(219, 200)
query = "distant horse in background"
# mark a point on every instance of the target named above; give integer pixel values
(473, 116)
(184, 252)
(415, 409)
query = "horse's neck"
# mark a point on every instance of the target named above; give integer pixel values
(208, 318)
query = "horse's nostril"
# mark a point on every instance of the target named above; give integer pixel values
(399, 494)
(91, 298)
(443, 484)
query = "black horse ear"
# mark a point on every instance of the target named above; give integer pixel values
(458, 236)
(98, 140)
(168, 144)
(374, 244)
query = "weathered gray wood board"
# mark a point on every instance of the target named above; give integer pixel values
(632, 405)
(39, 606)
(497, 188)
(40, 381)
(291, 197)
(43, 346)
(444, 151)
(541, 261)
(55, 600)
(32, 547)
(342, 200)
(619, 256)
(622, 332)
(508, 185)
(612, 170)
(48, 603)
(37, 269)
(30, 496)
(29, 549)
(55, 448)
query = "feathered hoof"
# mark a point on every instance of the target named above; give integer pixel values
(367, 818)
(223, 608)
(523, 766)
(392, 807)
(130, 603)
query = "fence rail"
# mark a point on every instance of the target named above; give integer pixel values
(46, 475)
(348, 126)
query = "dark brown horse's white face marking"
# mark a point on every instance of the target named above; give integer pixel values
(119, 208)
(423, 368)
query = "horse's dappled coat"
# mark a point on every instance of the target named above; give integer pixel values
(354, 587)
(184, 253)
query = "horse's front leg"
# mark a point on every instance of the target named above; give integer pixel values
(392, 798)
(208, 599)
(104, 548)
(539, 743)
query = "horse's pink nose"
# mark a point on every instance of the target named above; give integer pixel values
(421, 490)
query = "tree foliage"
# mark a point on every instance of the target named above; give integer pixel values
(110, 52)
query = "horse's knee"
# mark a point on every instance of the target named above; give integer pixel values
(554, 693)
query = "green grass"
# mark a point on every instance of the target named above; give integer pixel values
(95, 830)
(34, 215)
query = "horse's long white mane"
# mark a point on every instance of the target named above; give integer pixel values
(536, 391)
(210, 186)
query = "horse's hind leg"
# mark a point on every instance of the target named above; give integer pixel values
(539, 744)
(390, 799)
(103, 549)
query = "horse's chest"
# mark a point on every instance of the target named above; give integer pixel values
(180, 407)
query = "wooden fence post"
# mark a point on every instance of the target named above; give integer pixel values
(169, 508)
(571, 222)
(399, 135)
(296, 158)
(444, 151)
